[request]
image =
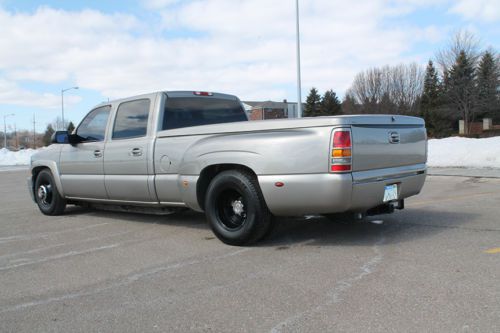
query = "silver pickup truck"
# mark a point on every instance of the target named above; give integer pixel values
(198, 150)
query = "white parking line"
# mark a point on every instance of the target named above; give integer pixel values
(25, 237)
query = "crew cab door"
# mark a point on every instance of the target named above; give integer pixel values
(81, 165)
(126, 164)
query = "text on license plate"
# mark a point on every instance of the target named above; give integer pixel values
(391, 192)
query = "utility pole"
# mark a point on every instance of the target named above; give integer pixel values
(15, 134)
(299, 95)
(5, 129)
(34, 132)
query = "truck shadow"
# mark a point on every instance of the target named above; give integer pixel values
(410, 224)
(394, 228)
(182, 217)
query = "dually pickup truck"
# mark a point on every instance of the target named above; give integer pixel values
(198, 150)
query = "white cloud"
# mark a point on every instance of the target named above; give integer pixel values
(243, 47)
(484, 10)
(157, 4)
(12, 94)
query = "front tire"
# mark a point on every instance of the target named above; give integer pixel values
(47, 197)
(235, 208)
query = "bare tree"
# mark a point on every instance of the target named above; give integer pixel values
(58, 125)
(462, 41)
(390, 89)
(405, 86)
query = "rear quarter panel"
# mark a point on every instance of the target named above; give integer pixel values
(292, 151)
(180, 159)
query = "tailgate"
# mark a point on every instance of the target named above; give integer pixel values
(388, 145)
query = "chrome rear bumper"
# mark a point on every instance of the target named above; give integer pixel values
(338, 193)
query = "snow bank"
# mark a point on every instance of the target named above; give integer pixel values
(21, 157)
(464, 153)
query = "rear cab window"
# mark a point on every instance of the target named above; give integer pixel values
(131, 119)
(182, 112)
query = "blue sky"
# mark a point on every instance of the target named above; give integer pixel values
(113, 49)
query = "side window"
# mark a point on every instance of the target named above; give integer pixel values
(93, 126)
(131, 119)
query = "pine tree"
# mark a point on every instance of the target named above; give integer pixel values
(386, 105)
(48, 135)
(349, 105)
(71, 127)
(488, 84)
(313, 104)
(330, 104)
(461, 88)
(430, 98)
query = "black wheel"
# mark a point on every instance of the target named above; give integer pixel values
(47, 197)
(235, 208)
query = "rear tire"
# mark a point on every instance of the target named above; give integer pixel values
(235, 208)
(47, 197)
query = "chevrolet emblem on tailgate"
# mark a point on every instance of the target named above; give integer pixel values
(393, 137)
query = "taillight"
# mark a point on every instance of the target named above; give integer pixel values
(341, 151)
(342, 139)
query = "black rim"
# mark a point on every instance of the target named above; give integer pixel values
(44, 193)
(231, 209)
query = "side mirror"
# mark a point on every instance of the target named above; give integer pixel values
(59, 137)
(74, 139)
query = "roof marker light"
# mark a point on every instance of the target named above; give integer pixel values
(202, 93)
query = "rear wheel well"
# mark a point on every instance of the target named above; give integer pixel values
(209, 173)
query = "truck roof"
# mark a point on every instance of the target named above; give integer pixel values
(172, 94)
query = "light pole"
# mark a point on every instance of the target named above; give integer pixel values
(299, 95)
(62, 103)
(5, 129)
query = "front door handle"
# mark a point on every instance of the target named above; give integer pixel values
(97, 153)
(136, 152)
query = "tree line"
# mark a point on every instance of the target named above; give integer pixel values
(462, 82)
(465, 85)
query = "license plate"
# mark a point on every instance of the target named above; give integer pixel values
(391, 192)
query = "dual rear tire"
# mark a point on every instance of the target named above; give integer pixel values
(235, 208)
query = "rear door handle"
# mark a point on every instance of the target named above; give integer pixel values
(136, 152)
(97, 153)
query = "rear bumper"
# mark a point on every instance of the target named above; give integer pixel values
(337, 193)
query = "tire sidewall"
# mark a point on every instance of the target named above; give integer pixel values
(238, 182)
(46, 176)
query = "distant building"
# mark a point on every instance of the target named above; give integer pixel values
(270, 110)
(484, 129)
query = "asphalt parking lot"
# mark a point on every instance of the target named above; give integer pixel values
(434, 267)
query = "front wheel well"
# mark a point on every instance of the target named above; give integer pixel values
(34, 173)
(207, 174)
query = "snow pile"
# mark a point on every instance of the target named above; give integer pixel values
(464, 152)
(21, 157)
